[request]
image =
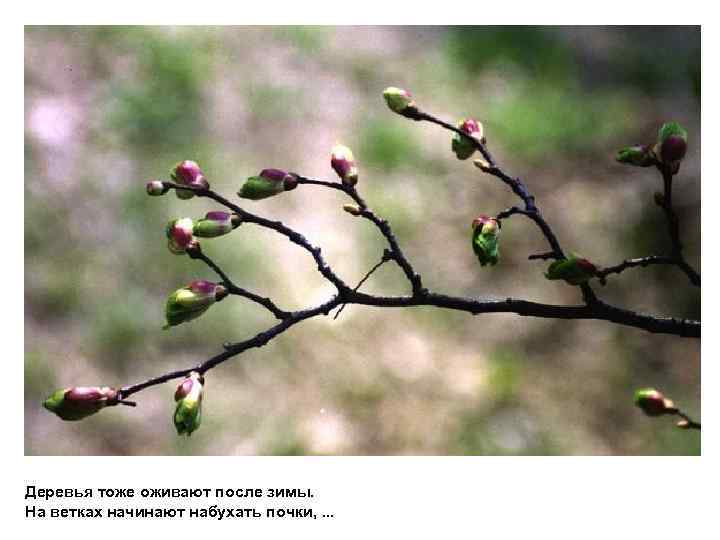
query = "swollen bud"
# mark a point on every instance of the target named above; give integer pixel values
(672, 143)
(188, 173)
(180, 235)
(461, 146)
(486, 231)
(483, 165)
(216, 223)
(81, 401)
(188, 410)
(268, 183)
(653, 403)
(352, 209)
(575, 270)
(343, 163)
(192, 301)
(399, 100)
(639, 155)
(156, 188)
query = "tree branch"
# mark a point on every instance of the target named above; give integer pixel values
(197, 253)
(593, 308)
(665, 202)
(633, 263)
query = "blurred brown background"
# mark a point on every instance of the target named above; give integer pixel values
(108, 108)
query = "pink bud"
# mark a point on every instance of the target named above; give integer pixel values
(343, 163)
(180, 235)
(155, 188)
(187, 172)
(482, 220)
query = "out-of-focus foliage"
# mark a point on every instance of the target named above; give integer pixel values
(109, 108)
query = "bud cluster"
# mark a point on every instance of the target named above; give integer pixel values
(181, 232)
(669, 149)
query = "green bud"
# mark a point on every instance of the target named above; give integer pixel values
(486, 231)
(268, 183)
(399, 100)
(575, 270)
(653, 403)
(216, 223)
(188, 411)
(192, 301)
(80, 402)
(639, 155)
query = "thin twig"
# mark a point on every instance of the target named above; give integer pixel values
(268, 304)
(666, 203)
(385, 258)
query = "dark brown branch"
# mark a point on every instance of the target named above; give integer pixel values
(277, 226)
(598, 311)
(542, 256)
(234, 349)
(268, 304)
(666, 203)
(383, 226)
(633, 263)
(686, 422)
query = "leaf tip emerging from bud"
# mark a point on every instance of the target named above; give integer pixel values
(639, 155)
(486, 231)
(188, 410)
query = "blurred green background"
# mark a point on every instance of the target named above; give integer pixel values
(108, 108)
